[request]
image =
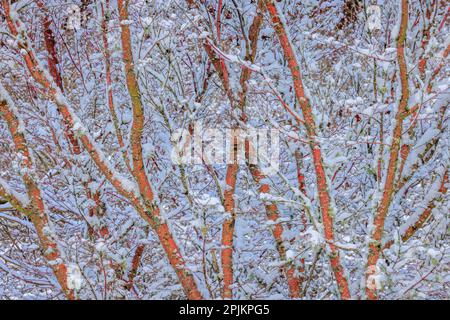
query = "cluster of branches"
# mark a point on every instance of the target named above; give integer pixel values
(92, 207)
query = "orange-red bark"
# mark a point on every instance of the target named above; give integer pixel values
(294, 281)
(138, 170)
(228, 231)
(322, 184)
(106, 13)
(38, 215)
(52, 61)
(149, 211)
(388, 188)
(422, 218)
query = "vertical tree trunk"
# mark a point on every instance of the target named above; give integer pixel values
(388, 189)
(272, 213)
(150, 211)
(52, 60)
(322, 184)
(38, 216)
(139, 172)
